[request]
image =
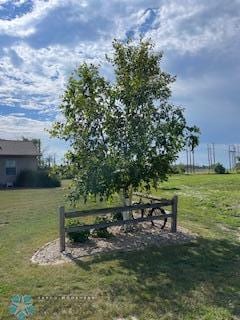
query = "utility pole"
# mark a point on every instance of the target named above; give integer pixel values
(54, 159)
(193, 161)
(210, 156)
(229, 157)
(214, 158)
(190, 160)
(232, 156)
(208, 159)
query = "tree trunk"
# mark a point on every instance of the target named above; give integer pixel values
(127, 201)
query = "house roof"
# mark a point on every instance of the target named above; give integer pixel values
(17, 148)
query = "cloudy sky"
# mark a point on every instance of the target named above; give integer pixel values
(43, 41)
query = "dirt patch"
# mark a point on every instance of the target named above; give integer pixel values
(233, 231)
(140, 237)
(3, 224)
(238, 234)
(224, 228)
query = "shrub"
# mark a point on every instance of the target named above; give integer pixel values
(219, 168)
(45, 180)
(77, 236)
(103, 232)
(237, 167)
(37, 179)
(81, 236)
(117, 216)
(178, 169)
(26, 178)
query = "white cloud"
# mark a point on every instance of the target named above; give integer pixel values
(34, 67)
(17, 126)
(13, 127)
(25, 25)
(183, 26)
(38, 82)
(17, 114)
(34, 78)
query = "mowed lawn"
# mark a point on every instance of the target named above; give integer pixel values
(199, 280)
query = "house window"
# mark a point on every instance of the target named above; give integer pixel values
(11, 167)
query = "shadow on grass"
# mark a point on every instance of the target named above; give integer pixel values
(177, 278)
(169, 189)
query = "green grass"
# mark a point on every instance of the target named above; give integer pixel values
(199, 280)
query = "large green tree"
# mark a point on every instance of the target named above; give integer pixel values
(123, 134)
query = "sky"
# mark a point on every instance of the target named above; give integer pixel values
(42, 42)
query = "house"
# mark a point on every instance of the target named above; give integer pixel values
(15, 156)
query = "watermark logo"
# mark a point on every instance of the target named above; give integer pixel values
(21, 306)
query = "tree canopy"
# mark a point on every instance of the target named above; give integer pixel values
(123, 134)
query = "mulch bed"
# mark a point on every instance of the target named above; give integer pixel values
(138, 238)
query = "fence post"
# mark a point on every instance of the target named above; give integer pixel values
(174, 214)
(62, 228)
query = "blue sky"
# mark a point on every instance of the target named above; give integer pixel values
(43, 41)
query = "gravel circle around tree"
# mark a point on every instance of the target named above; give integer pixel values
(137, 238)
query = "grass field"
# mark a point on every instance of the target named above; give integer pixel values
(199, 280)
